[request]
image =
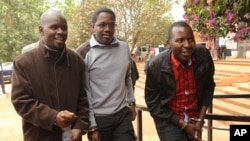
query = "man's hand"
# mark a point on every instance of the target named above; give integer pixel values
(134, 113)
(194, 132)
(94, 136)
(192, 129)
(65, 118)
(199, 125)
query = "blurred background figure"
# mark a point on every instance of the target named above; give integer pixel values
(1, 78)
(150, 56)
(134, 72)
(222, 48)
(138, 54)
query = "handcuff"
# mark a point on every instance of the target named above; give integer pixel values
(192, 119)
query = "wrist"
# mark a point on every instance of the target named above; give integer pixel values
(131, 104)
(197, 120)
(92, 129)
(184, 125)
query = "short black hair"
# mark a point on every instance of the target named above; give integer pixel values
(101, 10)
(175, 24)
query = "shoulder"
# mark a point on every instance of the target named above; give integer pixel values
(162, 56)
(83, 49)
(123, 47)
(73, 55)
(122, 43)
(202, 53)
(71, 52)
(83, 46)
(29, 47)
(26, 59)
(160, 60)
(200, 50)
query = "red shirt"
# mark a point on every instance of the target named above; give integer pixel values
(185, 101)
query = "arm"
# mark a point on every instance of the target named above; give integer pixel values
(94, 135)
(91, 112)
(206, 95)
(135, 70)
(153, 96)
(82, 121)
(130, 98)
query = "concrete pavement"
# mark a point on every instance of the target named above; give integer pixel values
(11, 130)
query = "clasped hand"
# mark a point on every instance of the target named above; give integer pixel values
(65, 118)
(194, 131)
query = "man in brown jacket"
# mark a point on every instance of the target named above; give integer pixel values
(48, 89)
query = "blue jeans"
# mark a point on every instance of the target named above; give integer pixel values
(168, 131)
(116, 127)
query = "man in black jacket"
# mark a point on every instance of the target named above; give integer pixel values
(179, 86)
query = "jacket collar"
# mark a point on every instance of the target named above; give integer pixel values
(166, 61)
(53, 55)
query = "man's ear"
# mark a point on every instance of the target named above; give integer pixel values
(41, 30)
(92, 26)
(167, 42)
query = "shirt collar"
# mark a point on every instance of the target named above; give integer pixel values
(95, 43)
(177, 63)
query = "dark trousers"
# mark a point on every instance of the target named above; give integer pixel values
(116, 127)
(222, 52)
(168, 131)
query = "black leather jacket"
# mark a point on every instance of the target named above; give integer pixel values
(160, 83)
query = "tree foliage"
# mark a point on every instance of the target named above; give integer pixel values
(218, 17)
(18, 25)
(140, 22)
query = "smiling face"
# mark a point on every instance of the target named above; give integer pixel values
(182, 43)
(53, 29)
(104, 28)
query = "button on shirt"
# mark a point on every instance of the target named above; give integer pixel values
(185, 101)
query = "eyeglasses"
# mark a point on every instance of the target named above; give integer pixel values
(103, 25)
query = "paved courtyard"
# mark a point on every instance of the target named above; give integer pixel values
(11, 128)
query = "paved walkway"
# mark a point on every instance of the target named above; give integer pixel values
(10, 122)
(11, 129)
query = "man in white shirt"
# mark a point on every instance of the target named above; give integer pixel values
(222, 49)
